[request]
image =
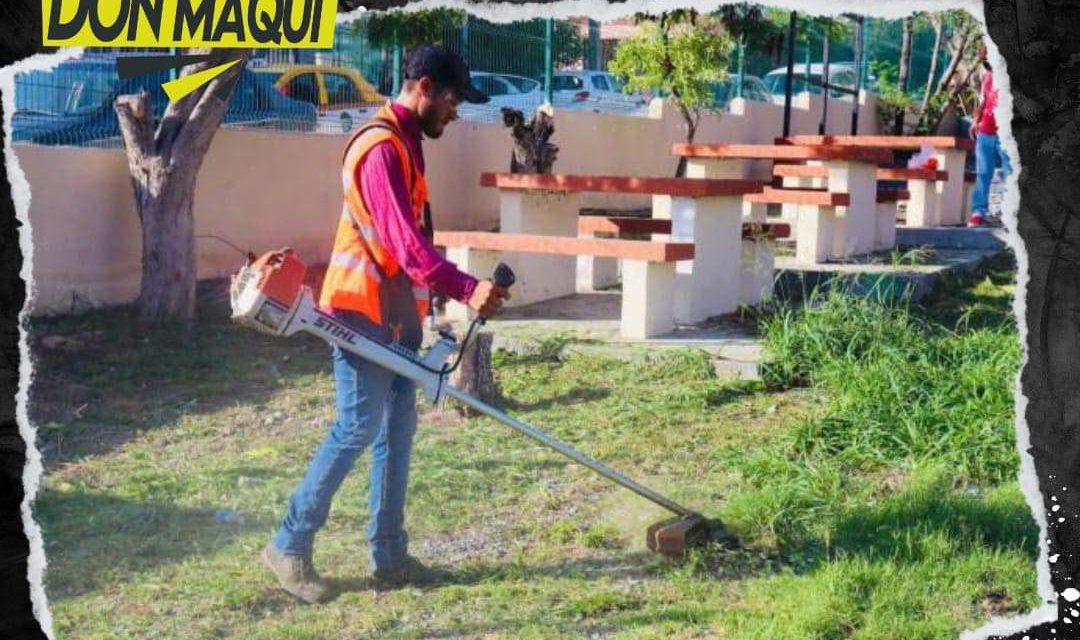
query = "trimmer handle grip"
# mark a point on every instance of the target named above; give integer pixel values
(504, 276)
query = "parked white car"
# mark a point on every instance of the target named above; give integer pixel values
(841, 74)
(753, 90)
(505, 90)
(595, 91)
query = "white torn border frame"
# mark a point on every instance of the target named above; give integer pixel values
(602, 11)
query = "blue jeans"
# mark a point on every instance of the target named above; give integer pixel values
(374, 407)
(988, 154)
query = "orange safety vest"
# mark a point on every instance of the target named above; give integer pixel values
(360, 270)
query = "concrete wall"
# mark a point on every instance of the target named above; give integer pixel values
(264, 189)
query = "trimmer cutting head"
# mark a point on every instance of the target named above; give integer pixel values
(675, 536)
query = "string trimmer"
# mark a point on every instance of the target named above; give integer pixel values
(269, 294)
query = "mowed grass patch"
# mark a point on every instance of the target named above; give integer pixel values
(154, 529)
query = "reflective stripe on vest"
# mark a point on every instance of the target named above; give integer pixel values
(359, 261)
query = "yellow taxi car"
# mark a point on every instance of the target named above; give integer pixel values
(342, 97)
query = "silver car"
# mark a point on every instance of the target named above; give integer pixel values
(753, 90)
(597, 91)
(841, 74)
(505, 90)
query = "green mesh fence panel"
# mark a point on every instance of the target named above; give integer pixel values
(72, 104)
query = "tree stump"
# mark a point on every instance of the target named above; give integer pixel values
(532, 153)
(475, 376)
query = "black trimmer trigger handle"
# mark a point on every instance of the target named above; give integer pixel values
(504, 276)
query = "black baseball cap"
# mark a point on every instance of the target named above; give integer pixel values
(444, 67)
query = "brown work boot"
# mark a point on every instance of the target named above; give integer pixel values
(296, 574)
(411, 571)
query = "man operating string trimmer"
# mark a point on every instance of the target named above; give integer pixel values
(381, 270)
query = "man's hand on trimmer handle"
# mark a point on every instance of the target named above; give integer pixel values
(488, 297)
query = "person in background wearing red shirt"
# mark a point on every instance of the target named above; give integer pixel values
(381, 270)
(988, 150)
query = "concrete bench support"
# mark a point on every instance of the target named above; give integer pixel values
(717, 168)
(756, 277)
(790, 212)
(648, 298)
(853, 225)
(885, 228)
(710, 284)
(924, 207)
(950, 192)
(547, 213)
(594, 274)
(815, 230)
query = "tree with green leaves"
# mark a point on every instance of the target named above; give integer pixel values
(754, 26)
(957, 34)
(411, 28)
(679, 54)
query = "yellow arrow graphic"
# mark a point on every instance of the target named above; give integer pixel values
(180, 87)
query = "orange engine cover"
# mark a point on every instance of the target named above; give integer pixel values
(282, 276)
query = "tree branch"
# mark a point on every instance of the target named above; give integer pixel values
(939, 28)
(133, 113)
(207, 111)
(178, 114)
(954, 64)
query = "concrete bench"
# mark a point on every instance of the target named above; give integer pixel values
(821, 233)
(888, 201)
(758, 251)
(704, 212)
(648, 293)
(616, 225)
(850, 170)
(921, 188)
(947, 205)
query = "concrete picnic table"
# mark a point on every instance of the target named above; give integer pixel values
(707, 213)
(851, 170)
(951, 154)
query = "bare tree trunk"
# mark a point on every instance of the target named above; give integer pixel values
(532, 152)
(690, 119)
(939, 30)
(168, 236)
(164, 164)
(905, 70)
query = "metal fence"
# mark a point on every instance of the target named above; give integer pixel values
(520, 65)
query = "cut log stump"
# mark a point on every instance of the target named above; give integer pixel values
(475, 376)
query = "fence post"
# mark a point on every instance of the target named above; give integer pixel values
(792, 23)
(549, 57)
(594, 45)
(465, 40)
(807, 63)
(859, 70)
(397, 65)
(742, 66)
(825, 82)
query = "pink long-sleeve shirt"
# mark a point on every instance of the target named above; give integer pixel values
(385, 192)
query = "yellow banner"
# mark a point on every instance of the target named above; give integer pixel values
(189, 23)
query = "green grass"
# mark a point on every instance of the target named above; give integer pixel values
(870, 479)
(902, 386)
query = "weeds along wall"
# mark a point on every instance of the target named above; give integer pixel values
(263, 189)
